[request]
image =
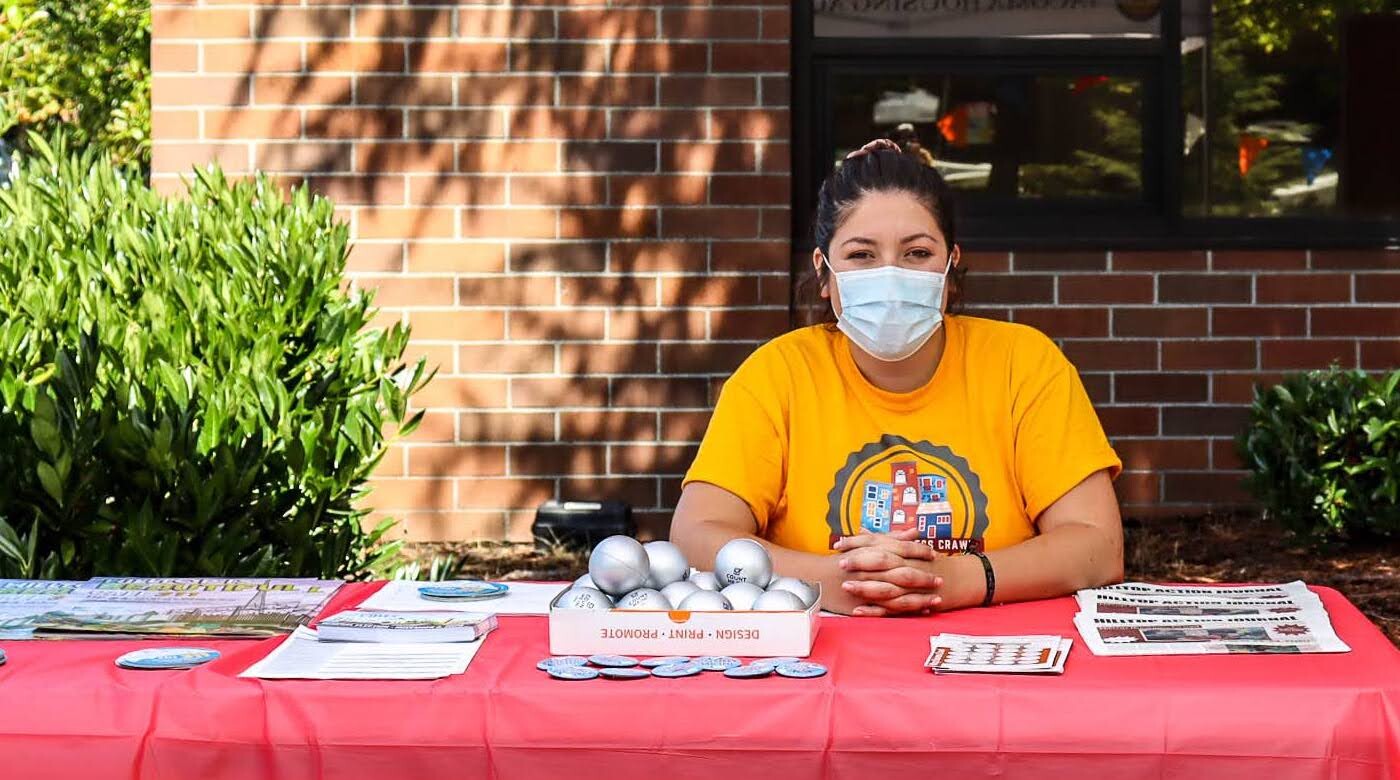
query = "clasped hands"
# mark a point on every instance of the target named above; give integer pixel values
(890, 574)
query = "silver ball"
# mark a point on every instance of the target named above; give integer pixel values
(619, 565)
(743, 560)
(644, 598)
(742, 595)
(585, 582)
(676, 592)
(778, 601)
(667, 563)
(704, 580)
(705, 601)
(796, 587)
(585, 598)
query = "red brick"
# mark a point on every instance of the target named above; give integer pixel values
(456, 57)
(558, 392)
(178, 57)
(775, 91)
(168, 24)
(750, 190)
(629, 290)
(651, 458)
(1224, 455)
(1356, 321)
(391, 222)
(577, 256)
(299, 90)
(709, 223)
(1232, 388)
(511, 290)
(749, 124)
(607, 90)
(703, 357)
(508, 156)
(458, 325)
(513, 222)
(752, 257)
(709, 23)
(1112, 355)
(708, 91)
(777, 24)
(607, 24)
(406, 291)
(439, 189)
(607, 223)
(1214, 487)
(1378, 288)
(352, 123)
(506, 426)
(1204, 420)
(1099, 387)
(1258, 321)
(381, 22)
(667, 190)
(505, 23)
(607, 426)
(666, 123)
(595, 359)
(660, 392)
(454, 393)
(551, 57)
(986, 262)
(556, 325)
(422, 156)
(455, 256)
(376, 256)
(342, 56)
(1060, 261)
(502, 91)
(1163, 454)
(1160, 322)
(684, 426)
(1128, 420)
(552, 459)
(1161, 388)
(175, 125)
(1218, 354)
(608, 156)
(504, 493)
(557, 190)
(750, 57)
(301, 23)
(303, 157)
(1204, 288)
(1136, 487)
(253, 57)
(1382, 354)
(1356, 259)
(189, 90)
(1066, 322)
(509, 358)
(751, 324)
(396, 494)
(456, 461)
(644, 57)
(1248, 260)
(708, 157)
(563, 123)
(638, 325)
(628, 257)
(637, 492)
(1303, 288)
(1106, 288)
(1011, 288)
(1159, 261)
(406, 90)
(433, 427)
(180, 158)
(1306, 353)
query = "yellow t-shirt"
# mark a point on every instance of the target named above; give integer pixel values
(1002, 430)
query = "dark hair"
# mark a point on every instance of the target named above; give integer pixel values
(881, 171)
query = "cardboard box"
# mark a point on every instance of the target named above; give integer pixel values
(681, 632)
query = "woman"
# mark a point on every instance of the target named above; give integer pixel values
(908, 460)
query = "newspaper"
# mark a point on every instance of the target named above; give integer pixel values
(1296, 590)
(1151, 607)
(174, 606)
(23, 602)
(1304, 632)
(303, 657)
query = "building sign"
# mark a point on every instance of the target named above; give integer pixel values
(986, 18)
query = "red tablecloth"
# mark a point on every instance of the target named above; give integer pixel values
(66, 711)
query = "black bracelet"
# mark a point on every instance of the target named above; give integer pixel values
(991, 579)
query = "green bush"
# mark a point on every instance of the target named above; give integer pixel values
(83, 65)
(1323, 449)
(186, 387)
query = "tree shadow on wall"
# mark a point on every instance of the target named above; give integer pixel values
(589, 357)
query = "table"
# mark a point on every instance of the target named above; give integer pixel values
(66, 711)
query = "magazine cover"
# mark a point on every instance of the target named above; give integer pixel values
(24, 602)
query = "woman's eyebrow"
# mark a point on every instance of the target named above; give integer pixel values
(907, 239)
(859, 240)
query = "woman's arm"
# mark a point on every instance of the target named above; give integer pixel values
(1080, 545)
(708, 516)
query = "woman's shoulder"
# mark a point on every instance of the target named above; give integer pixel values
(803, 350)
(1021, 346)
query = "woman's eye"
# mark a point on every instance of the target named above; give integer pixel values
(921, 253)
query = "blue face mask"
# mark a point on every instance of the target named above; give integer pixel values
(890, 311)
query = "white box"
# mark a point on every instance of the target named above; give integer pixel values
(682, 632)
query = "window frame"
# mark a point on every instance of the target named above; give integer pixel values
(1160, 225)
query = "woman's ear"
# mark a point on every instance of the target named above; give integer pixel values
(823, 275)
(955, 257)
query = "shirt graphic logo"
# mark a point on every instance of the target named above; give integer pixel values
(894, 484)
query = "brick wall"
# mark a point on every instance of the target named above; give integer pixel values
(583, 211)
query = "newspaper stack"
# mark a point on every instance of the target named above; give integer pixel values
(1031, 654)
(1142, 619)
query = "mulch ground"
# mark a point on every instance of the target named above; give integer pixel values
(1206, 550)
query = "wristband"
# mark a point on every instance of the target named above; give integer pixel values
(991, 579)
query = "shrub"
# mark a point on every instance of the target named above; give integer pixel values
(84, 65)
(1323, 449)
(186, 388)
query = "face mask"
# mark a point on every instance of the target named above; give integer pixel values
(890, 311)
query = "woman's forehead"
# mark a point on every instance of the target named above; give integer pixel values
(882, 215)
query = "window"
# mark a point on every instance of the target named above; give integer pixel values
(1137, 122)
